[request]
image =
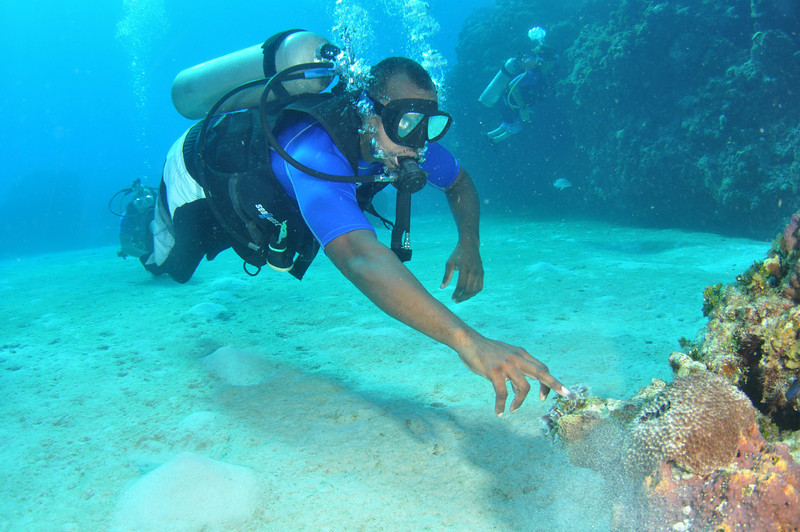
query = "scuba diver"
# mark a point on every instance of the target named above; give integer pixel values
(135, 237)
(292, 166)
(520, 83)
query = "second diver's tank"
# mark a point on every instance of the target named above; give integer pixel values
(494, 90)
(197, 89)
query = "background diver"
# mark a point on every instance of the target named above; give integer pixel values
(520, 83)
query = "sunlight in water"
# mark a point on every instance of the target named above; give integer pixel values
(144, 23)
(354, 30)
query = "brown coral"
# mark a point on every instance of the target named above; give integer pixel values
(773, 266)
(696, 422)
(693, 458)
(760, 490)
(792, 290)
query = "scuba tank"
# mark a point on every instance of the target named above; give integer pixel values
(197, 89)
(492, 93)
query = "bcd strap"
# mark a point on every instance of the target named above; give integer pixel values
(270, 49)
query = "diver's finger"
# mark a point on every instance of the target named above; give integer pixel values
(500, 394)
(544, 391)
(536, 370)
(521, 388)
(458, 293)
(474, 285)
(468, 285)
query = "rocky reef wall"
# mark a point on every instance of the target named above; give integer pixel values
(672, 113)
(717, 448)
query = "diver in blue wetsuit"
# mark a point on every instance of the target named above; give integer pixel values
(391, 126)
(518, 86)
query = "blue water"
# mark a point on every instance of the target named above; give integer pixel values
(86, 96)
(102, 368)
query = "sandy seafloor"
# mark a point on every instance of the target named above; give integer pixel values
(344, 419)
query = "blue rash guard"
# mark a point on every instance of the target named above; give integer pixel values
(329, 208)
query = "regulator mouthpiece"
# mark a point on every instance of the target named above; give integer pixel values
(410, 177)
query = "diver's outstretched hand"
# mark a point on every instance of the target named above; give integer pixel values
(500, 362)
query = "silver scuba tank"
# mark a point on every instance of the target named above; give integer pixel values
(197, 89)
(494, 90)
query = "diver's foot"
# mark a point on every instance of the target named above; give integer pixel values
(150, 266)
(495, 137)
(504, 131)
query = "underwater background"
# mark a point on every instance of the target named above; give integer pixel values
(86, 97)
(680, 113)
(665, 114)
(663, 160)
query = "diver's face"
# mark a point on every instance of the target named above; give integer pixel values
(380, 146)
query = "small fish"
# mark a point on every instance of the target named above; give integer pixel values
(562, 183)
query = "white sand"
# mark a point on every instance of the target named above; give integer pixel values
(339, 417)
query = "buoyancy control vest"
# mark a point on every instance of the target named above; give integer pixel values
(232, 165)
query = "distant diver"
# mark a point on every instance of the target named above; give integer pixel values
(520, 83)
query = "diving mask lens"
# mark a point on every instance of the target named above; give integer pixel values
(143, 199)
(437, 126)
(408, 123)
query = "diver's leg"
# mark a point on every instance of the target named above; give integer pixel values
(194, 227)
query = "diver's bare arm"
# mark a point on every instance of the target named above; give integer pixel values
(375, 270)
(466, 258)
(462, 197)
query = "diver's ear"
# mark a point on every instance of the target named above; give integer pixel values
(369, 119)
(370, 126)
(367, 135)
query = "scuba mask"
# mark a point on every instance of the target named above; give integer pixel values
(411, 122)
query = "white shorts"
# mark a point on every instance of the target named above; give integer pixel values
(181, 189)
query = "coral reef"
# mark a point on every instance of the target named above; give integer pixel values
(753, 333)
(789, 239)
(696, 423)
(685, 455)
(682, 112)
(758, 490)
(694, 451)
